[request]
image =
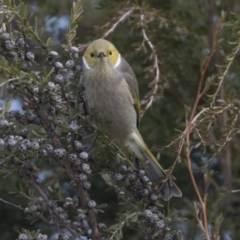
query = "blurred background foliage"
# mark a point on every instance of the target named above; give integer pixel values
(182, 33)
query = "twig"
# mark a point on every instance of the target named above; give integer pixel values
(155, 66)
(189, 165)
(121, 19)
(37, 214)
(9, 80)
(189, 126)
(200, 92)
(121, 226)
(225, 73)
(10, 203)
(179, 138)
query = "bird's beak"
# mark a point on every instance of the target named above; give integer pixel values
(101, 55)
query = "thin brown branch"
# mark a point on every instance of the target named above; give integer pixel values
(189, 166)
(122, 224)
(156, 80)
(237, 49)
(121, 19)
(189, 163)
(9, 203)
(224, 156)
(200, 92)
(40, 216)
(195, 120)
(189, 126)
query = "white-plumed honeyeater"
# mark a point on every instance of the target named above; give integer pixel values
(111, 94)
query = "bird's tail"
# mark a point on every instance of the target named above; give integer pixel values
(136, 146)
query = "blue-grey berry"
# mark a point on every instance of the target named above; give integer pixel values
(118, 176)
(74, 49)
(145, 179)
(2, 142)
(72, 157)
(160, 224)
(91, 204)
(10, 45)
(70, 64)
(58, 99)
(51, 85)
(5, 36)
(42, 237)
(154, 197)
(59, 78)
(142, 173)
(33, 208)
(123, 168)
(49, 148)
(85, 223)
(82, 216)
(65, 237)
(58, 65)
(30, 56)
(80, 177)
(145, 192)
(23, 147)
(22, 236)
(59, 152)
(24, 66)
(83, 155)
(53, 54)
(155, 217)
(77, 145)
(87, 184)
(148, 213)
(86, 168)
(102, 225)
(35, 145)
(77, 162)
(11, 142)
(21, 42)
(168, 236)
(35, 90)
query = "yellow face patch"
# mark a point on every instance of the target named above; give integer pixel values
(101, 49)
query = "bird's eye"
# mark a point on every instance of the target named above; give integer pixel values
(110, 52)
(92, 55)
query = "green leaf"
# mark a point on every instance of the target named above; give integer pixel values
(48, 42)
(22, 10)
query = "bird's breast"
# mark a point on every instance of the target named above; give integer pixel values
(109, 100)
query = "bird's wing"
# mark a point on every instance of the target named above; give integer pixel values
(131, 80)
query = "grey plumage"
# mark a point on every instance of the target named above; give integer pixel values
(111, 93)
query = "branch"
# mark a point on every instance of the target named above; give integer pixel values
(189, 126)
(148, 100)
(121, 225)
(189, 165)
(11, 204)
(121, 19)
(225, 73)
(200, 92)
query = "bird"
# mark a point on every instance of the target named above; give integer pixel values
(112, 96)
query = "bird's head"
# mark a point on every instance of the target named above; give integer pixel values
(101, 52)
